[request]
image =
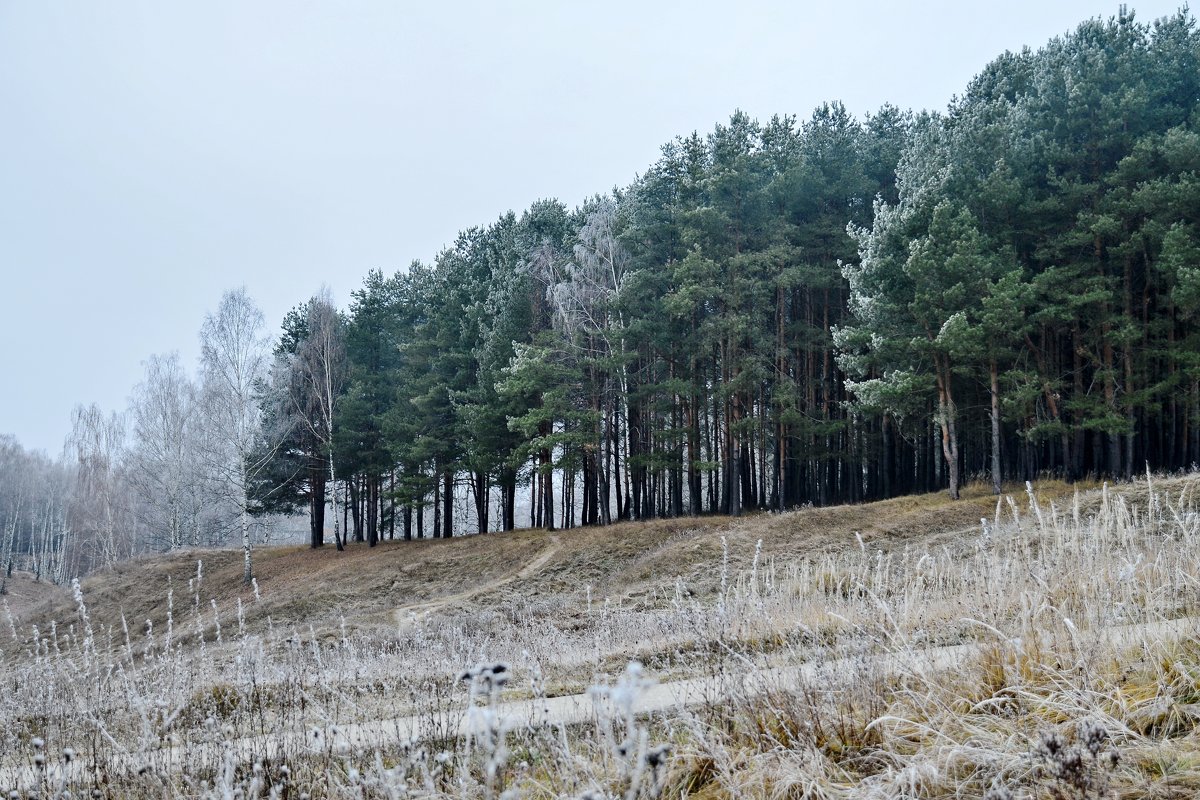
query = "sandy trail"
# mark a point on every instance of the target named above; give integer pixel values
(663, 698)
(414, 613)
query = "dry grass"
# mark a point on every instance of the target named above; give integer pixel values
(629, 563)
(335, 639)
(22, 594)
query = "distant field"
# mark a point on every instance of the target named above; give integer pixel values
(963, 648)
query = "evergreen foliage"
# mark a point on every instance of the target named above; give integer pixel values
(776, 314)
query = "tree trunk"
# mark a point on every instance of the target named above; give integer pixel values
(482, 496)
(508, 499)
(316, 511)
(591, 487)
(1079, 437)
(448, 504)
(373, 510)
(247, 571)
(995, 392)
(605, 471)
(355, 507)
(885, 468)
(337, 537)
(1194, 425)
(437, 505)
(691, 422)
(546, 468)
(946, 416)
(1110, 401)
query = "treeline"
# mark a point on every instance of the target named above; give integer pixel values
(34, 508)
(1034, 290)
(172, 470)
(786, 313)
(638, 356)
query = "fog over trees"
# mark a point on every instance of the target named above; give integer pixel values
(773, 314)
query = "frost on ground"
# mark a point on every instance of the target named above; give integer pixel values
(1048, 651)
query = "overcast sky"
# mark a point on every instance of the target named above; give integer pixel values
(153, 155)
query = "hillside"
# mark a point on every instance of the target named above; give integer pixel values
(632, 565)
(24, 594)
(900, 648)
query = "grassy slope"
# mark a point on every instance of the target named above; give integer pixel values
(628, 563)
(23, 595)
(571, 608)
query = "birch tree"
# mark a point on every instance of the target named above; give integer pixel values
(13, 501)
(234, 360)
(320, 370)
(163, 457)
(98, 513)
(585, 311)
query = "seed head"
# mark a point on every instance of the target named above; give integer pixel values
(1094, 736)
(657, 756)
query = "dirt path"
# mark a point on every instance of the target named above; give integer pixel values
(22, 593)
(664, 698)
(414, 613)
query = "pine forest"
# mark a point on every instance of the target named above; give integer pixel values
(773, 314)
